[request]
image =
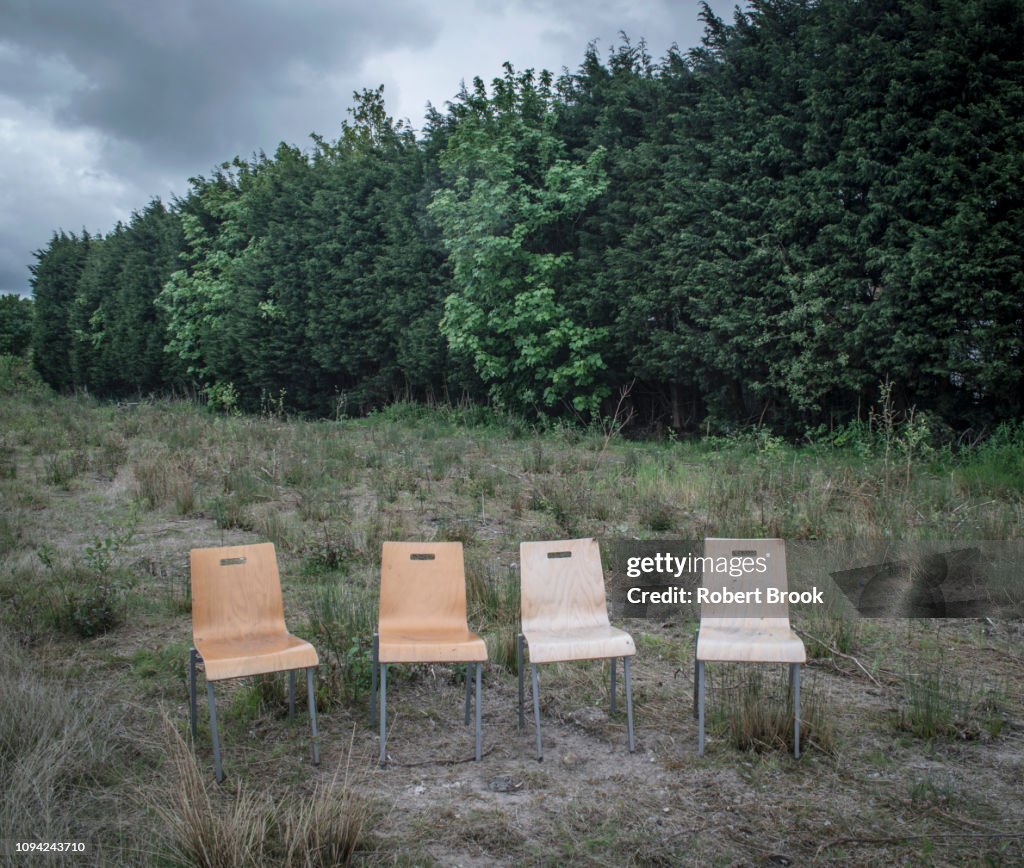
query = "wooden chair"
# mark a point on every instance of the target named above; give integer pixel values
(746, 632)
(423, 620)
(565, 617)
(238, 629)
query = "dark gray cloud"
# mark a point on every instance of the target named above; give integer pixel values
(107, 103)
(192, 81)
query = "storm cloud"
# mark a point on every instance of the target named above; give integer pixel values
(106, 104)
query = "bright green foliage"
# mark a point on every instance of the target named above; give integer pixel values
(508, 218)
(195, 300)
(312, 278)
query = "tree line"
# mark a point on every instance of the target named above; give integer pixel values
(823, 196)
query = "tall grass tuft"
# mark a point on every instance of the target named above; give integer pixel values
(161, 480)
(199, 832)
(326, 828)
(939, 704)
(755, 718)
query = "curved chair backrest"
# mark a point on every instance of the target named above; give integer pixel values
(562, 585)
(769, 553)
(422, 587)
(236, 592)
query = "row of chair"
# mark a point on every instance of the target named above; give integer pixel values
(239, 629)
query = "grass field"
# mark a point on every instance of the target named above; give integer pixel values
(914, 748)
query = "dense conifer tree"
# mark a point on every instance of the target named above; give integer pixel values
(821, 197)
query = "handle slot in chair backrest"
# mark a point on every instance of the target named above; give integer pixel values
(771, 553)
(562, 585)
(236, 591)
(422, 586)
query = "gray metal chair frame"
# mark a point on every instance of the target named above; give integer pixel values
(745, 630)
(194, 657)
(536, 696)
(379, 676)
(699, 691)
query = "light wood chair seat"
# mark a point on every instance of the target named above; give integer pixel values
(238, 629)
(423, 620)
(746, 632)
(749, 640)
(254, 655)
(435, 646)
(565, 617)
(579, 643)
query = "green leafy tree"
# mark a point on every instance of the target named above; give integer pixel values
(508, 216)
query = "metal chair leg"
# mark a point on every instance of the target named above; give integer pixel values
(373, 680)
(479, 740)
(614, 661)
(192, 691)
(536, 709)
(217, 768)
(469, 685)
(629, 706)
(700, 708)
(519, 674)
(795, 672)
(291, 695)
(312, 712)
(383, 713)
(695, 638)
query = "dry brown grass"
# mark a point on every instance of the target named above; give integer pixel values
(57, 740)
(210, 829)
(163, 479)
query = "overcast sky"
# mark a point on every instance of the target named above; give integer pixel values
(107, 103)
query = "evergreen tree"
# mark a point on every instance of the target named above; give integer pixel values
(15, 325)
(55, 277)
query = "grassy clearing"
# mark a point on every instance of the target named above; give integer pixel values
(100, 506)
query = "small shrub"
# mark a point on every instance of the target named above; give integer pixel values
(18, 377)
(88, 596)
(656, 515)
(342, 625)
(62, 468)
(230, 512)
(88, 610)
